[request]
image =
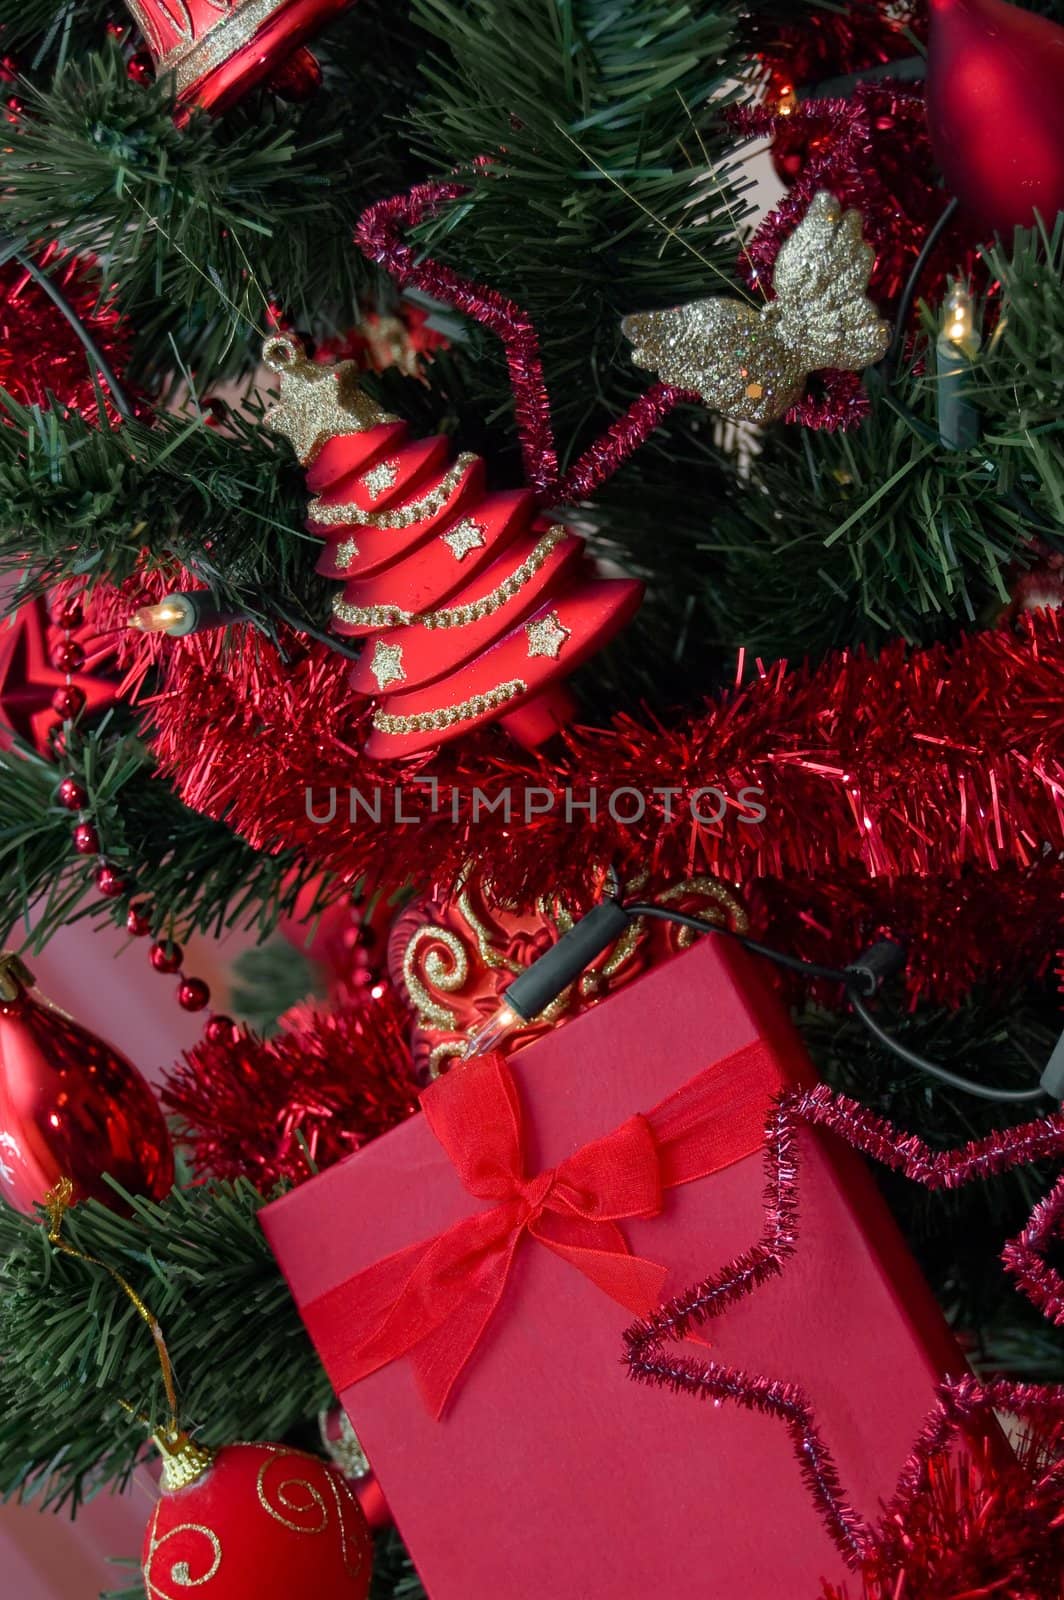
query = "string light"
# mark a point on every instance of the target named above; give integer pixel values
(181, 614)
(960, 328)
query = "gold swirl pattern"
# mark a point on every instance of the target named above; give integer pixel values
(444, 975)
(312, 1506)
(180, 1574)
(284, 1508)
(704, 895)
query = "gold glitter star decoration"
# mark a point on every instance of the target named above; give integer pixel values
(465, 536)
(546, 637)
(752, 365)
(317, 403)
(381, 478)
(387, 664)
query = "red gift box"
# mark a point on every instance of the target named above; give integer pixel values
(550, 1473)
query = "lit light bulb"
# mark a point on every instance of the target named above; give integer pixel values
(959, 326)
(173, 614)
(491, 1035)
(787, 103)
(181, 614)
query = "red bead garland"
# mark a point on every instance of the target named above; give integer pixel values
(110, 882)
(86, 839)
(193, 994)
(166, 956)
(71, 795)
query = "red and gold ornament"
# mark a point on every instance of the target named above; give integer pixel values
(995, 107)
(452, 955)
(70, 1106)
(472, 607)
(217, 50)
(254, 1522)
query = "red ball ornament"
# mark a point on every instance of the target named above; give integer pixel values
(68, 702)
(298, 79)
(110, 882)
(166, 956)
(68, 656)
(72, 795)
(995, 106)
(256, 1522)
(86, 839)
(70, 1106)
(193, 994)
(138, 923)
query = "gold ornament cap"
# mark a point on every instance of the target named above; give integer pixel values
(15, 976)
(184, 1461)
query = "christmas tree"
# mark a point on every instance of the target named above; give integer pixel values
(440, 492)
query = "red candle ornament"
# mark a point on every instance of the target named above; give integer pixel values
(995, 105)
(217, 49)
(254, 1522)
(70, 1106)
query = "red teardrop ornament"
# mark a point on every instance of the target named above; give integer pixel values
(71, 1106)
(995, 105)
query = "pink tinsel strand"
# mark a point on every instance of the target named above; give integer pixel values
(965, 1407)
(873, 152)
(379, 236)
(925, 789)
(622, 439)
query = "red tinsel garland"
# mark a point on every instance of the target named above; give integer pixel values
(332, 1080)
(923, 789)
(988, 1524)
(40, 354)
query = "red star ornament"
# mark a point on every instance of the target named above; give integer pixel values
(28, 680)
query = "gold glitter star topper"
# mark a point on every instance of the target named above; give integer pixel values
(318, 401)
(752, 365)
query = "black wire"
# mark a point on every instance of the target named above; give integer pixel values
(894, 350)
(852, 979)
(811, 969)
(968, 1085)
(11, 249)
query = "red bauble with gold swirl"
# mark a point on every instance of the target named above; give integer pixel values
(255, 1522)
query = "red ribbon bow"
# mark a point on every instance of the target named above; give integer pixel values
(433, 1300)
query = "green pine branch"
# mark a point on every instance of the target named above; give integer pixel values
(612, 181)
(193, 874)
(74, 1347)
(201, 228)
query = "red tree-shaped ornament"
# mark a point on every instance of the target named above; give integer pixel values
(473, 607)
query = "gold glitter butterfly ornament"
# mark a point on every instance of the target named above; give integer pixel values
(752, 365)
